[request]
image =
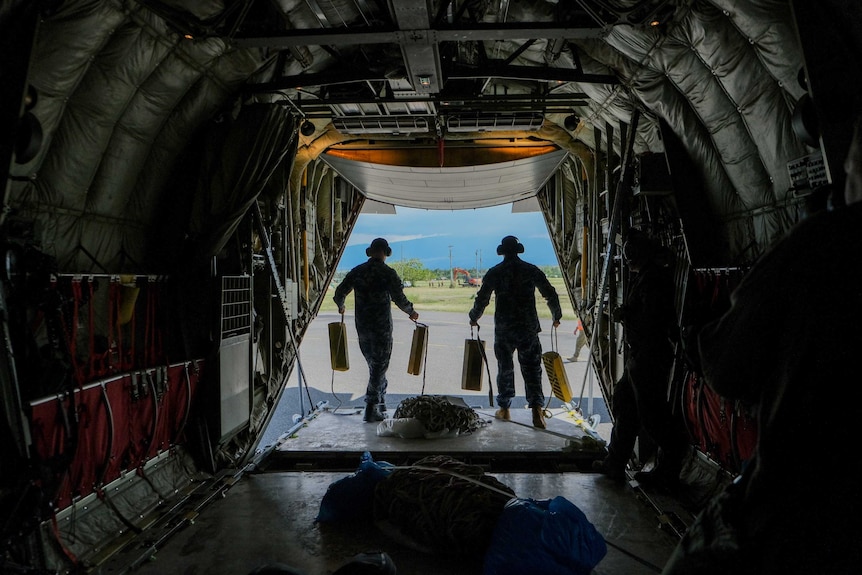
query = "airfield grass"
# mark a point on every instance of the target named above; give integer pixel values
(438, 296)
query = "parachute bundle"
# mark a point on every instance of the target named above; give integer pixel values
(439, 412)
(444, 504)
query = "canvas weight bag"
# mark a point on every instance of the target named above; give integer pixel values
(471, 373)
(418, 349)
(557, 372)
(338, 346)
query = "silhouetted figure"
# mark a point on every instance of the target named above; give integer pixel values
(789, 342)
(640, 396)
(580, 341)
(376, 286)
(516, 324)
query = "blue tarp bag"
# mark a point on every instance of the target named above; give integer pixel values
(352, 497)
(538, 537)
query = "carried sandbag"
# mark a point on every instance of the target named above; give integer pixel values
(471, 371)
(418, 349)
(556, 371)
(338, 346)
(538, 537)
(557, 376)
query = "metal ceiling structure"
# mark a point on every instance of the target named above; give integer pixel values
(450, 188)
(434, 92)
(194, 161)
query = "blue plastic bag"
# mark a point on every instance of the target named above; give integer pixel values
(352, 497)
(541, 537)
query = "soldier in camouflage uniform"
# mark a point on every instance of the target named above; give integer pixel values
(376, 286)
(516, 324)
(640, 395)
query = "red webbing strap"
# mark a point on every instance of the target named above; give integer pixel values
(73, 336)
(716, 289)
(149, 351)
(66, 551)
(91, 328)
(149, 376)
(188, 406)
(130, 355)
(158, 344)
(153, 343)
(114, 295)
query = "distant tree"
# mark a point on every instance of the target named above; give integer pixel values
(551, 271)
(338, 276)
(412, 270)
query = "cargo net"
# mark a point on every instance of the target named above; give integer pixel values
(439, 413)
(442, 504)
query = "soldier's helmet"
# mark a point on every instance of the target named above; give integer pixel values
(378, 245)
(510, 245)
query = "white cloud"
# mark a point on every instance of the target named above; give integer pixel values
(395, 239)
(469, 237)
(365, 239)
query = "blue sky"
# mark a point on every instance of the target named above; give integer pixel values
(427, 234)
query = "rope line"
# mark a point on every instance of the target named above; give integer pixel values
(443, 503)
(437, 414)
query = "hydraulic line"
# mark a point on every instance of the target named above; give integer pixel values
(109, 451)
(188, 410)
(282, 295)
(613, 226)
(154, 394)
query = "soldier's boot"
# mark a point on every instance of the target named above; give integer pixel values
(372, 413)
(502, 413)
(538, 418)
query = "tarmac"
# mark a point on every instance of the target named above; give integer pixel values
(441, 373)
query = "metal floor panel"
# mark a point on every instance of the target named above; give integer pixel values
(270, 517)
(337, 439)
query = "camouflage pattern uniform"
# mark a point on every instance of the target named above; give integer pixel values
(516, 324)
(640, 395)
(376, 286)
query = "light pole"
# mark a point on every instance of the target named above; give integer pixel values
(451, 270)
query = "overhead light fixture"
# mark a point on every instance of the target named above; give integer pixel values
(662, 16)
(392, 125)
(494, 122)
(307, 128)
(571, 122)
